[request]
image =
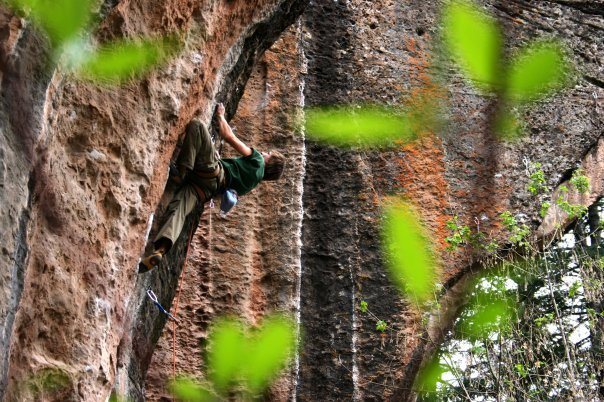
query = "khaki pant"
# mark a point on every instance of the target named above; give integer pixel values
(199, 155)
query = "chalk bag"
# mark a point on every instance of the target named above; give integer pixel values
(228, 201)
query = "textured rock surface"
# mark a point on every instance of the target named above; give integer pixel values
(99, 169)
(246, 265)
(82, 168)
(360, 51)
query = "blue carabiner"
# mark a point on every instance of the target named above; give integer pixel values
(153, 298)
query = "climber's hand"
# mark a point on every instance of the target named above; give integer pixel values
(176, 174)
(220, 110)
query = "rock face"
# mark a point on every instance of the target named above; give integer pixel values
(87, 167)
(247, 264)
(82, 169)
(362, 52)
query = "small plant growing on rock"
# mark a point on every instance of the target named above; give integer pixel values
(572, 210)
(460, 234)
(380, 325)
(580, 181)
(518, 232)
(537, 182)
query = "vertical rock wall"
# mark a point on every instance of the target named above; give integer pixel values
(83, 167)
(98, 160)
(386, 52)
(247, 264)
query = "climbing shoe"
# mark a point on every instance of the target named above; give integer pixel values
(150, 261)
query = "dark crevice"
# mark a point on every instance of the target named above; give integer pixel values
(262, 37)
(19, 259)
(594, 81)
(566, 175)
(593, 7)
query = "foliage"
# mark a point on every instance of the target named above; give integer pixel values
(460, 234)
(572, 210)
(242, 359)
(121, 60)
(408, 253)
(367, 126)
(48, 383)
(537, 183)
(66, 22)
(541, 345)
(62, 20)
(537, 71)
(475, 42)
(364, 306)
(580, 181)
(518, 232)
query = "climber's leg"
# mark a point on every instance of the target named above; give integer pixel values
(198, 152)
(183, 202)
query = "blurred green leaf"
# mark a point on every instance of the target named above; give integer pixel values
(358, 126)
(118, 61)
(474, 40)
(61, 19)
(188, 390)
(430, 376)
(270, 349)
(254, 358)
(226, 353)
(537, 71)
(508, 126)
(409, 257)
(488, 314)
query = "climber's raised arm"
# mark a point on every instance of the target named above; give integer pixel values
(225, 132)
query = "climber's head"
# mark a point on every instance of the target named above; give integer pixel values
(274, 162)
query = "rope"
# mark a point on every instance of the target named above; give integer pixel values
(182, 274)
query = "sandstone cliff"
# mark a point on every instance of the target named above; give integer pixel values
(84, 167)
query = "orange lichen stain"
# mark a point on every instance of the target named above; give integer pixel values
(422, 176)
(422, 164)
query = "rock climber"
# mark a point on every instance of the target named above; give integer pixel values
(201, 175)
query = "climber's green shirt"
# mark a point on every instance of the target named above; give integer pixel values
(243, 174)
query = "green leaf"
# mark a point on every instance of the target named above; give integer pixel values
(228, 348)
(364, 306)
(61, 19)
(408, 253)
(430, 376)
(474, 41)
(538, 70)
(508, 126)
(580, 181)
(381, 325)
(363, 126)
(270, 349)
(118, 61)
(188, 390)
(488, 314)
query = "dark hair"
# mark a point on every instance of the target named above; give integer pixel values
(274, 166)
